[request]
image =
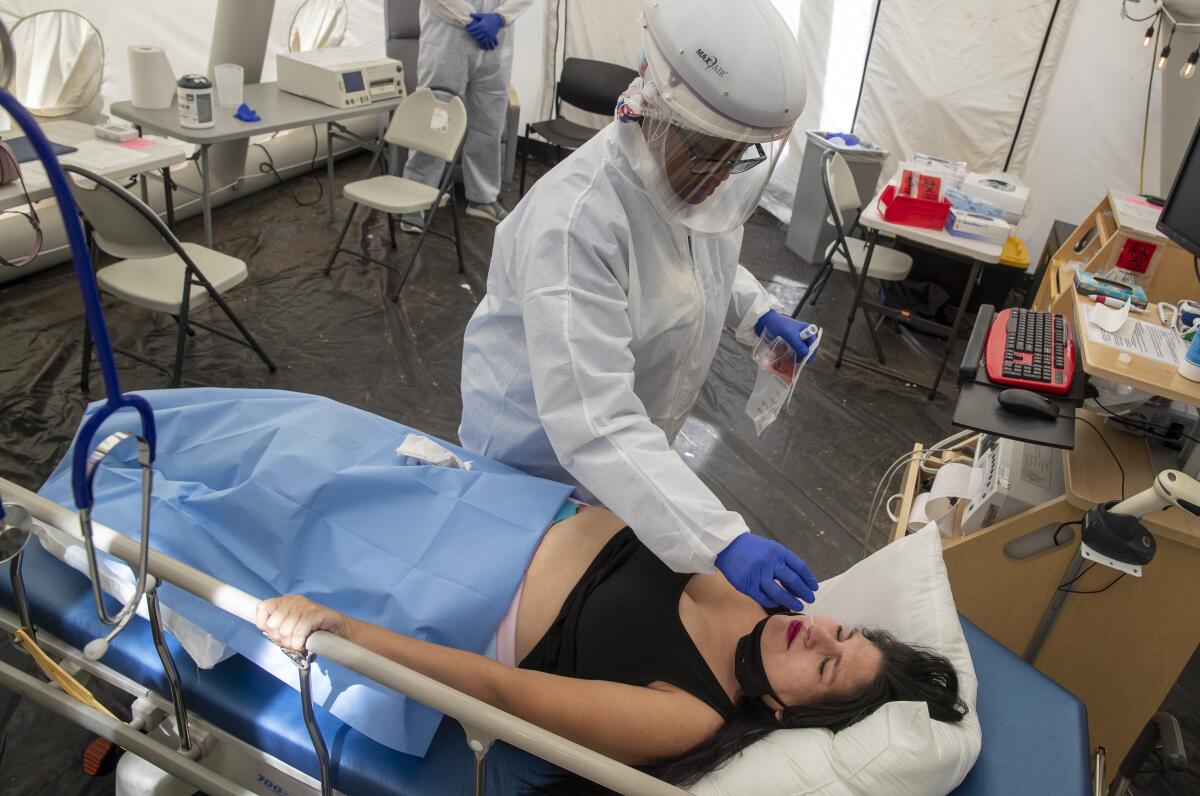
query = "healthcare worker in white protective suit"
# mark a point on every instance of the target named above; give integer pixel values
(611, 281)
(466, 49)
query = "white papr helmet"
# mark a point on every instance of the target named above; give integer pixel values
(724, 84)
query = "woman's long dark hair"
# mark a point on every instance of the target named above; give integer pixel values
(908, 674)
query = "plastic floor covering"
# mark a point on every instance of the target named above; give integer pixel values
(807, 481)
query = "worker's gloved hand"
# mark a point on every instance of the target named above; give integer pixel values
(485, 29)
(767, 571)
(789, 329)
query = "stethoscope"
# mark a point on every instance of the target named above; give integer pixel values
(86, 459)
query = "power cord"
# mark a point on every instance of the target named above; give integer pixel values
(1058, 530)
(1110, 451)
(269, 168)
(1132, 424)
(1104, 588)
(1125, 13)
(1196, 266)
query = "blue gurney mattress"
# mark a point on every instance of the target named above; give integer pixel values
(1035, 737)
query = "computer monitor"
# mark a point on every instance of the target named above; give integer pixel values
(1180, 219)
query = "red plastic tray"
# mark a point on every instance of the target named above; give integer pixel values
(912, 212)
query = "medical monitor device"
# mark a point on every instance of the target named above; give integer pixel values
(1180, 219)
(1013, 477)
(343, 77)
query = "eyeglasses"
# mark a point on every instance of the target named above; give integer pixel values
(702, 165)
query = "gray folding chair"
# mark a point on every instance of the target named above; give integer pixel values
(845, 253)
(156, 271)
(426, 124)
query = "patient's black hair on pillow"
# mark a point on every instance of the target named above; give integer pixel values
(908, 674)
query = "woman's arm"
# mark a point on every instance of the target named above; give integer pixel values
(631, 724)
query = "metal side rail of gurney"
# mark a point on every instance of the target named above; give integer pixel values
(482, 723)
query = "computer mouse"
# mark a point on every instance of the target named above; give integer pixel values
(1027, 403)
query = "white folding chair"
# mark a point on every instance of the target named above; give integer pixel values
(156, 271)
(425, 124)
(847, 254)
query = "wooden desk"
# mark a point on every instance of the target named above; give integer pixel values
(1120, 650)
(1144, 373)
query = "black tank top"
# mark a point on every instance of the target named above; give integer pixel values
(621, 623)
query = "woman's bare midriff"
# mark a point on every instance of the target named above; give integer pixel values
(565, 553)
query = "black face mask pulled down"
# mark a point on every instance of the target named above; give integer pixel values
(748, 665)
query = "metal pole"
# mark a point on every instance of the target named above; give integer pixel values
(329, 163)
(1048, 618)
(168, 663)
(303, 661)
(18, 587)
(206, 196)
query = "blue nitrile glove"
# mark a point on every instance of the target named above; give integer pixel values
(485, 29)
(789, 329)
(753, 564)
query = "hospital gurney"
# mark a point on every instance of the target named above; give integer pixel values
(249, 724)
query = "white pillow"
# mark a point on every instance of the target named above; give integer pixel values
(898, 749)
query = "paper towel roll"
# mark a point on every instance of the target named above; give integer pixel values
(151, 79)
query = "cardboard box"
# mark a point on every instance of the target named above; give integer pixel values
(1005, 191)
(976, 227)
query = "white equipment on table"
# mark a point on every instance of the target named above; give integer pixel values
(1014, 476)
(343, 77)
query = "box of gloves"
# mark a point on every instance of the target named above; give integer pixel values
(1003, 190)
(976, 227)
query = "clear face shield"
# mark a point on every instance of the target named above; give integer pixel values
(706, 177)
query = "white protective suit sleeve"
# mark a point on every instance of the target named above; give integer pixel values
(749, 302)
(511, 9)
(452, 12)
(578, 334)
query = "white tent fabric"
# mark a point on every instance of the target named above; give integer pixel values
(949, 78)
(833, 35)
(60, 58)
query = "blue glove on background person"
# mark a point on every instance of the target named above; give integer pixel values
(787, 328)
(485, 29)
(753, 564)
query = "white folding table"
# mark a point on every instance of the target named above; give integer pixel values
(106, 158)
(975, 252)
(277, 109)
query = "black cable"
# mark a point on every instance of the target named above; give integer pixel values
(1032, 84)
(1110, 450)
(269, 168)
(1133, 423)
(1086, 570)
(866, 62)
(1058, 530)
(1111, 583)
(1137, 19)
(1196, 266)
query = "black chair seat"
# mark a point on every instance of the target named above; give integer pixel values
(563, 133)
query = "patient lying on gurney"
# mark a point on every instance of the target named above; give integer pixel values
(671, 672)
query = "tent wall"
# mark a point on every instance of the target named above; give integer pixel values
(950, 78)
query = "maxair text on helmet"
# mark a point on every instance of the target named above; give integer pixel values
(711, 61)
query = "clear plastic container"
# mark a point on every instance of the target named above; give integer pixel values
(229, 79)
